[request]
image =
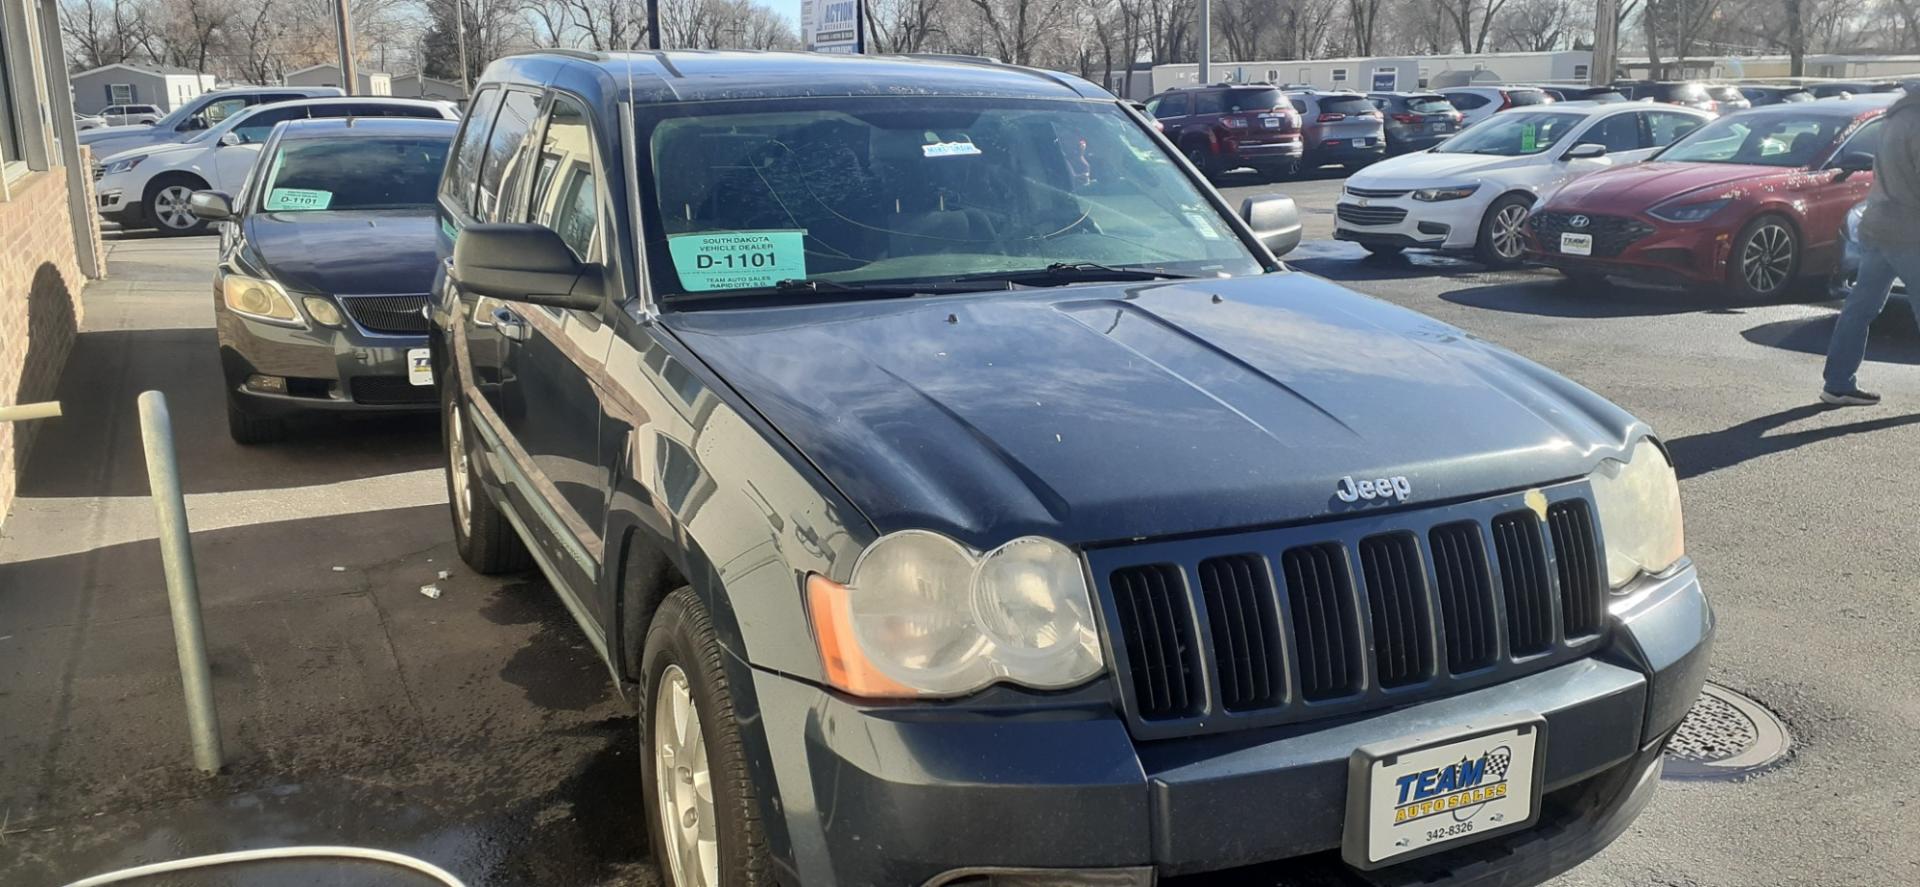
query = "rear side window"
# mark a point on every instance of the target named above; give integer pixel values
(1620, 132)
(1665, 127)
(507, 150)
(1428, 104)
(1239, 100)
(564, 195)
(1466, 101)
(1209, 103)
(1527, 97)
(259, 125)
(456, 189)
(1172, 106)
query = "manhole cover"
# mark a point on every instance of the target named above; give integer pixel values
(1725, 735)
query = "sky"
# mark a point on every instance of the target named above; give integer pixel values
(788, 8)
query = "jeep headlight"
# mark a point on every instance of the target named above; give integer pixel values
(926, 616)
(258, 298)
(1639, 506)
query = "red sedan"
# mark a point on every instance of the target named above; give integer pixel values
(1752, 202)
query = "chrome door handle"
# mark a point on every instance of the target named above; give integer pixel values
(511, 325)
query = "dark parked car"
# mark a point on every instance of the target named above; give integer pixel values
(1691, 93)
(1415, 121)
(1774, 95)
(1596, 94)
(1729, 99)
(958, 514)
(325, 265)
(1843, 89)
(1339, 127)
(1228, 127)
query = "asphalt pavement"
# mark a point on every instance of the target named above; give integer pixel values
(477, 729)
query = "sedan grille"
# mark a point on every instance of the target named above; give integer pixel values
(394, 315)
(390, 390)
(1377, 192)
(1369, 215)
(1611, 234)
(1281, 626)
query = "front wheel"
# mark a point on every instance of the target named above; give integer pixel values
(1204, 160)
(482, 535)
(167, 208)
(1765, 259)
(1502, 240)
(705, 823)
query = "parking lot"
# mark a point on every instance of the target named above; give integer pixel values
(478, 730)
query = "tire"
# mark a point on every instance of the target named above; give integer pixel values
(165, 206)
(1501, 243)
(1765, 261)
(682, 663)
(248, 429)
(1207, 162)
(1384, 249)
(481, 533)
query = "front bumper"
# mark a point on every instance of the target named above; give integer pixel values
(1326, 151)
(1264, 154)
(1445, 224)
(871, 794)
(326, 369)
(1673, 255)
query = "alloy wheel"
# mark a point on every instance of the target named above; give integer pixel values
(171, 210)
(684, 783)
(1767, 258)
(457, 469)
(1507, 242)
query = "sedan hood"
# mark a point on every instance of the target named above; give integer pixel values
(1630, 189)
(1430, 169)
(1105, 413)
(348, 253)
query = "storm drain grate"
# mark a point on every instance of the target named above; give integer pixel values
(1725, 736)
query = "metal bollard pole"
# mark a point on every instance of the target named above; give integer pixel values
(21, 412)
(183, 585)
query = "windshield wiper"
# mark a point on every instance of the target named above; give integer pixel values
(1076, 272)
(883, 289)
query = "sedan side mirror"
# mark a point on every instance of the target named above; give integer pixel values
(231, 138)
(1585, 151)
(1852, 162)
(521, 262)
(1274, 220)
(213, 206)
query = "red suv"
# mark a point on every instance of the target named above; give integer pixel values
(1230, 126)
(1750, 203)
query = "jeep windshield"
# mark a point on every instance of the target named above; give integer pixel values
(894, 196)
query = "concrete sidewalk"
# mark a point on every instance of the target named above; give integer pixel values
(477, 731)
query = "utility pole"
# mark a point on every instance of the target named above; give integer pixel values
(460, 37)
(348, 82)
(1206, 42)
(653, 24)
(1606, 42)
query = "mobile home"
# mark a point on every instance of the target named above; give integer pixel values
(1391, 73)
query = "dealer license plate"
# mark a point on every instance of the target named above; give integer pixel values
(1359, 143)
(1270, 122)
(419, 366)
(1414, 798)
(1576, 244)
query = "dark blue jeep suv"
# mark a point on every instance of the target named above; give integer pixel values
(966, 495)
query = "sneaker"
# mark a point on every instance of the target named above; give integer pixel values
(1852, 397)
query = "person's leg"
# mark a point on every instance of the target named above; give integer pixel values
(1864, 303)
(1906, 265)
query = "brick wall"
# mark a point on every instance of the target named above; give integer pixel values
(40, 312)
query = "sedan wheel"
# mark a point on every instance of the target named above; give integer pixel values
(1767, 257)
(1502, 239)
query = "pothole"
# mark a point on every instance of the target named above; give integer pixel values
(1726, 736)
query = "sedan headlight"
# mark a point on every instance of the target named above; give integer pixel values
(123, 164)
(1689, 212)
(1455, 192)
(259, 298)
(1639, 506)
(926, 616)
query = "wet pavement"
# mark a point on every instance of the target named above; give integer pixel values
(477, 731)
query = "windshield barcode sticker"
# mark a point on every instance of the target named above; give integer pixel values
(732, 260)
(298, 198)
(949, 149)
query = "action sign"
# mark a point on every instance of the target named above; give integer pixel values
(830, 25)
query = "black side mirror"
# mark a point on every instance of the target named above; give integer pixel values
(1274, 220)
(214, 206)
(193, 123)
(520, 262)
(1585, 151)
(1852, 162)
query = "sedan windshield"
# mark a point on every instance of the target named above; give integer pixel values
(1513, 134)
(1769, 140)
(834, 195)
(357, 173)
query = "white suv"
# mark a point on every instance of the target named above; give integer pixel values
(1477, 103)
(1474, 190)
(148, 187)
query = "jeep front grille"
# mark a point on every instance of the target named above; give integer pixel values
(1285, 625)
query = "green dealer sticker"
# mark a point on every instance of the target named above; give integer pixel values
(298, 198)
(726, 260)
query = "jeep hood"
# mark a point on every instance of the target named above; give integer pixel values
(1635, 188)
(1103, 413)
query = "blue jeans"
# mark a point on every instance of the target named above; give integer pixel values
(1878, 268)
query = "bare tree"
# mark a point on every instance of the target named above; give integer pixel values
(1537, 25)
(1363, 21)
(904, 25)
(105, 32)
(1017, 28)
